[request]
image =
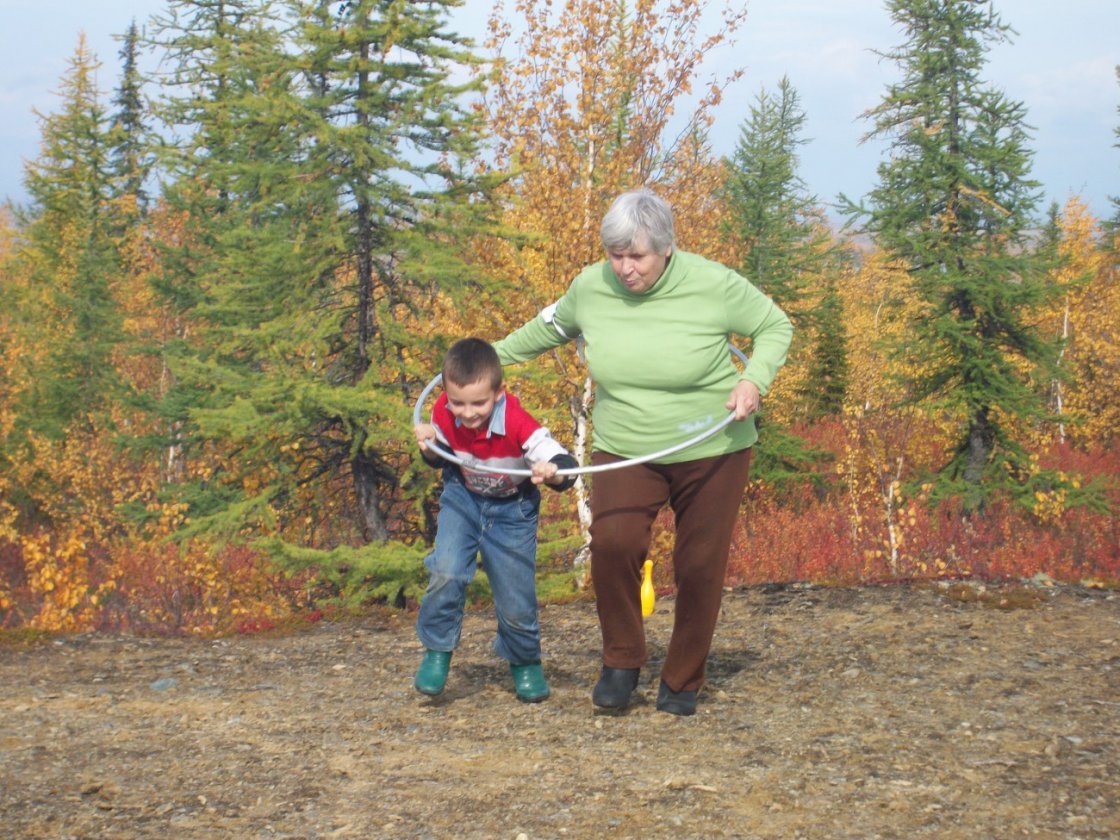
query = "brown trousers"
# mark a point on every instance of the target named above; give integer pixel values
(704, 496)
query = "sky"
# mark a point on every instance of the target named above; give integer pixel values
(1061, 66)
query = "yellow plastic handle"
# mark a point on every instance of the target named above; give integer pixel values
(648, 596)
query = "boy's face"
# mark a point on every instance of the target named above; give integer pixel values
(472, 404)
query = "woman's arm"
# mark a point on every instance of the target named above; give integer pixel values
(541, 333)
(753, 314)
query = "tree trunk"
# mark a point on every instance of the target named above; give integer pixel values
(1057, 384)
(981, 441)
(364, 238)
(580, 408)
(365, 474)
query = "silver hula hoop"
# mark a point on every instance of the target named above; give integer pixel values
(617, 465)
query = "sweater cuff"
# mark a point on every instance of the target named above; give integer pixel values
(564, 462)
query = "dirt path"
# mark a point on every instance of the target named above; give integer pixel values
(830, 713)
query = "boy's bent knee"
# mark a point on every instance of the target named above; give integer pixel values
(521, 621)
(437, 582)
(449, 566)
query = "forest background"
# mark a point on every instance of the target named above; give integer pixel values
(235, 274)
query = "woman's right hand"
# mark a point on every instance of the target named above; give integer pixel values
(745, 400)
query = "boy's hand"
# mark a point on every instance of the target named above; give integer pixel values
(544, 472)
(424, 432)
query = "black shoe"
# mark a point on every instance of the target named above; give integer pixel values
(676, 702)
(614, 687)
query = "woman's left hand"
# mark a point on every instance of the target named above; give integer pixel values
(744, 400)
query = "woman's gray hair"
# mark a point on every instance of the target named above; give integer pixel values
(639, 218)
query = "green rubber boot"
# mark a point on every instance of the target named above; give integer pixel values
(529, 682)
(431, 676)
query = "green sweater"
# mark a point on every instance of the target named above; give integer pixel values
(660, 360)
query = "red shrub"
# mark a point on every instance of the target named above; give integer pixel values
(875, 535)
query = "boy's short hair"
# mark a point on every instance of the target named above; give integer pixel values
(471, 360)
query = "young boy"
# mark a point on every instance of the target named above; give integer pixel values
(485, 513)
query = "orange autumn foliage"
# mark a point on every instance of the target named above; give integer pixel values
(1088, 324)
(74, 555)
(582, 110)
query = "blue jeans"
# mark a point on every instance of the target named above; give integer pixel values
(504, 533)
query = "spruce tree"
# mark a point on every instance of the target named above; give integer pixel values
(788, 249)
(826, 384)
(315, 166)
(72, 260)
(788, 254)
(395, 137)
(129, 155)
(210, 133)
(954, 203)
(773, 213)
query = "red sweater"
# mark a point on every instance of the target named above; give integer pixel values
(511, 439)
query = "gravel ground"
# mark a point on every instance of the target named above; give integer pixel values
(908, 712)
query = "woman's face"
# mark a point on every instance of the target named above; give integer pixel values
(638, 267)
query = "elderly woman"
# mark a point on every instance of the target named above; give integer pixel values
(656, 323)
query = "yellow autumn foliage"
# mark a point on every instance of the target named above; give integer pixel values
(1087, 321)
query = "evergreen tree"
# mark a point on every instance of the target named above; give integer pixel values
(1051, 233)
(71, 259)
(954, 203)
(778, 221)
(394, 139)
(826, 383)
(319, 160)
(788, 254)
(201, 48)
(128, 139)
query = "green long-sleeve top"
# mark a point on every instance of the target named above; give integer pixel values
(660, 360)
